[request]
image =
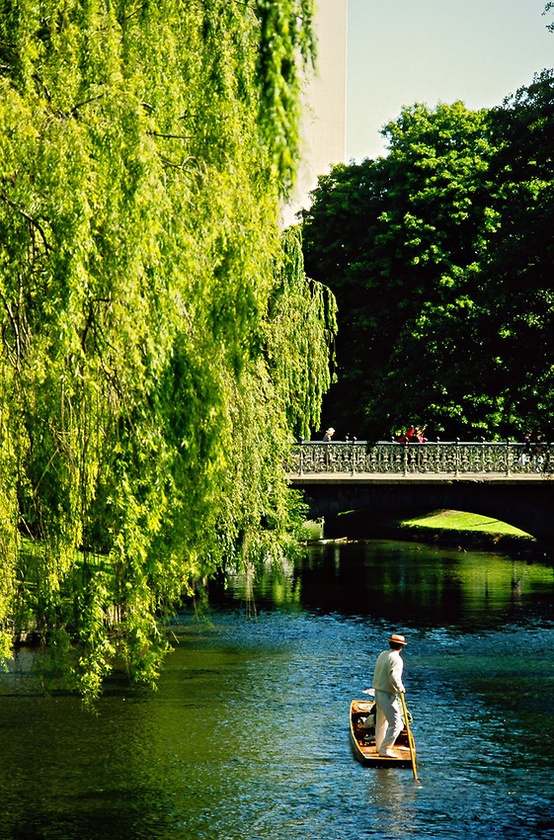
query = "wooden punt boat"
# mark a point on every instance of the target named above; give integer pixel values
(362, 737)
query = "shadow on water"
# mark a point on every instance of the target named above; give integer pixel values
(248, 736)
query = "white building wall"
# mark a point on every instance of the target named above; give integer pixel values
(324, 120)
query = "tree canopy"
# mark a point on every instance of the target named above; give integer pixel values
(439, 256)
(154, 361)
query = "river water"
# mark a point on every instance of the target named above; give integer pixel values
(247, 736)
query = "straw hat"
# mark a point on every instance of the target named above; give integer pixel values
(396, 639)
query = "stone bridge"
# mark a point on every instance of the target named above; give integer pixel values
(389, 480)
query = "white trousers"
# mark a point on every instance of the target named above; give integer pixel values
(388, 724)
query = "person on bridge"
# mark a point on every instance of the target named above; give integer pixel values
(328, 434)
(387, 683)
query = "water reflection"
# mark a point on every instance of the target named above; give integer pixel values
(407, 583)
(392, 801)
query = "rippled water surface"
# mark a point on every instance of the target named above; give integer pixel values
(247, 736)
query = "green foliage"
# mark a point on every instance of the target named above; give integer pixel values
(407, 233)
(440, 260)
(518, 278)
(300, 322)
(146, 406)
(285, 33)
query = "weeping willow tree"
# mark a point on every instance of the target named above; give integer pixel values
(161, 344)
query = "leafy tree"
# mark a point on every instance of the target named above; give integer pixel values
(440, 257)
(492, 356)
(144, 294)
(518, 275)
(409, 229)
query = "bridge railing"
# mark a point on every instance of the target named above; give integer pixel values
(435, 458)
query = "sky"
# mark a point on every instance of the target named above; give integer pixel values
(406, 51)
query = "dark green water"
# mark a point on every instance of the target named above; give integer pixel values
(247, 736)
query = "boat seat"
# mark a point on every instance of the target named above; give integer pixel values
(363, 706)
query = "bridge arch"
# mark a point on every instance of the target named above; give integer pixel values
(499, 479)
(525, 504)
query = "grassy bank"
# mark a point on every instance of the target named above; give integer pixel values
(455, 520)
(448, 528)
(452, 527)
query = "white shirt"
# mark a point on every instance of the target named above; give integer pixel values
(388, 672)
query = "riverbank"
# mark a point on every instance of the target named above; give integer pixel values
(449, 528)
(466, 531)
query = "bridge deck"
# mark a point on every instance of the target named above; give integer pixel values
(415, 478)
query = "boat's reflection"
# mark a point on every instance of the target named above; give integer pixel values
(391, 793)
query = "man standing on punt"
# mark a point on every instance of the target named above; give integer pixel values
(387, 683)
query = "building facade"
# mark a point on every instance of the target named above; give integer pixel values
(324, 120)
